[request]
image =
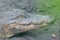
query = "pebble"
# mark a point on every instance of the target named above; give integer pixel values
(53, 35)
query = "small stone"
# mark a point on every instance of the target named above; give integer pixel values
(53, 35)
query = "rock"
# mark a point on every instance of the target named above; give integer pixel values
(14, 20)
(53, 35)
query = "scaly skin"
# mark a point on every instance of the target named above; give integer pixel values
(9, 31)
(22, 22)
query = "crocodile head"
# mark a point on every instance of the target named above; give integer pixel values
(21, 21)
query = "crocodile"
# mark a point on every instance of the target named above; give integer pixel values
(14, 20)
(17, 21)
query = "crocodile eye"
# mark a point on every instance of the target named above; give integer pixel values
(21, 16)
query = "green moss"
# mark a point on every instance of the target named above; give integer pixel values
(50, 7)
